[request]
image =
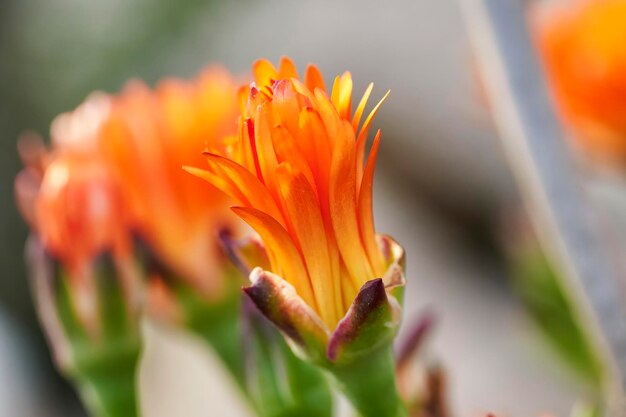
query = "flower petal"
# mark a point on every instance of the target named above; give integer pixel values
(313, 78)
(249, 185)
(264, 72)
(366, 215)
(303, 208)
(280, 245)
(361, 107)
(362, 137)
(287, 69)
(343, 205)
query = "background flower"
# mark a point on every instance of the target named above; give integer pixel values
(581, 43)
(147, 138)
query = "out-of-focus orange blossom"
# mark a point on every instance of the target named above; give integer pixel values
(147, 138)
(582, 46)
(69, 194)
(75, 205)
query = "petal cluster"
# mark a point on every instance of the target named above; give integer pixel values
(80, 210)
(147, 138)
(69, 194)
(298, 172)
(582, 46)
(115, 169)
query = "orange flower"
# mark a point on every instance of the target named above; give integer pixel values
(80, 211)
(297, 170)
(69, 196)
(76, 207)
(582, 45)
(148, 137)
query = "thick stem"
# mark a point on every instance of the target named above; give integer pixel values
(369, 383)
(103, 350)
(224, 337)
(287, 386)
(218, 324)
(106, 379)
(279, 383)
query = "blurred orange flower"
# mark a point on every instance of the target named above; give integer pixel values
(80, 212)
(297, 170)
(75, 204)
(148, 137)
(582, 46)
(69, 195)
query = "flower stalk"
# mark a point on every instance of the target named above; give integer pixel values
(102, 367)
(86, 279)
(370, 384)
(217, 323)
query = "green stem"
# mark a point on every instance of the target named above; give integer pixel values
(218, 324)
(310, 392)
(280, 385)
(223, 335)
(369, 384)
(106, 379)
(103, 367)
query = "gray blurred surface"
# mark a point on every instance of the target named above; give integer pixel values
(27, 387)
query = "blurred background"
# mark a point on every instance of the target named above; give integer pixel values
(443, 187)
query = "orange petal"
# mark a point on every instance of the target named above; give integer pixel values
(287, 69)
(313, 78)
(303, 208)
(305, 92)
(361, 107)
(366, 215)
(362, 138)
(329, 114)
(334, 93)
(345, 96)
(343, 206)
(285, 106)
(264, 72)
(218, 181)
(278, 241)
(265, 149)
(287, 149)
(341, 95)
(249, 185)
(317, 150)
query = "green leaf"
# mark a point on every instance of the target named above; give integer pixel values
(540, 289)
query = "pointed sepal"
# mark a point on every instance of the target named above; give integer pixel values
(372, 321)
(278, 382)
(279, 302)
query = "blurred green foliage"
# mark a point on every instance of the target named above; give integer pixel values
(539, 287)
